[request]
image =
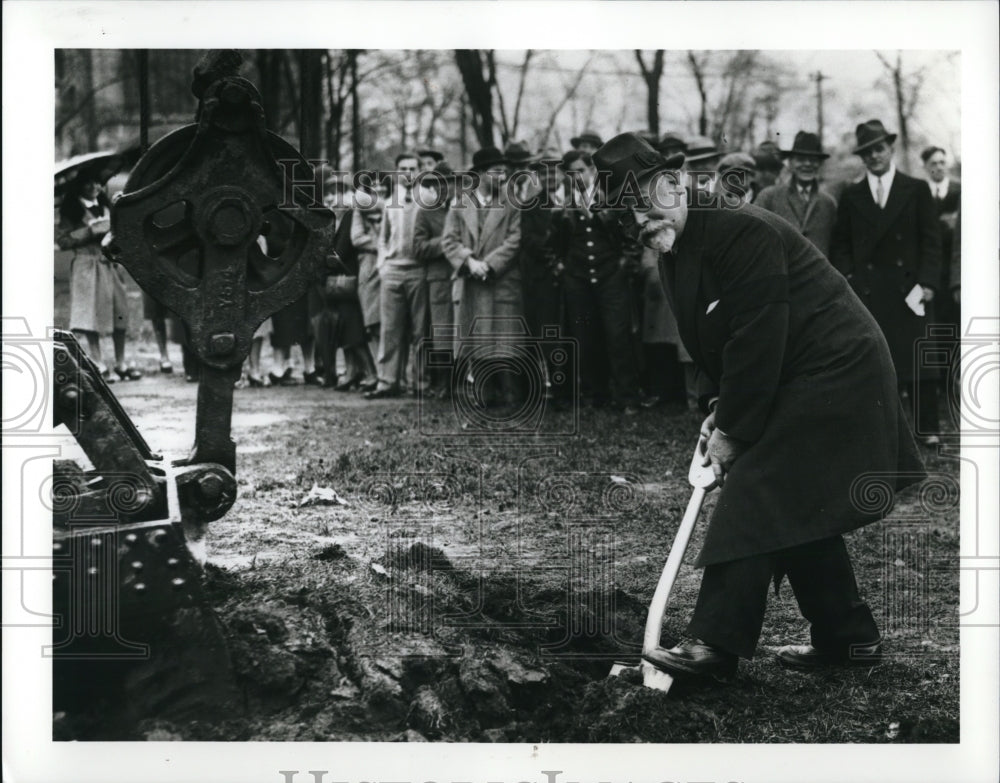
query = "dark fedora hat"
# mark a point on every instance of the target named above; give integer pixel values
(628, 156)
(518, 154)
(806, 144)
(429, 153)
(588, 136)
(486, 157)
(871, 133)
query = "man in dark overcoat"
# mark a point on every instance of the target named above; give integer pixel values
(804, 413)
(887, 242)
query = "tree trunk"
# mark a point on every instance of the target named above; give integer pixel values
(477, 88)
(311, 103)
(352, 60)
(269, 76)
(699, 80)
(652, 78)
(89, 111)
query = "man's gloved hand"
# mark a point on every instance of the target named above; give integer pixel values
(720, 450)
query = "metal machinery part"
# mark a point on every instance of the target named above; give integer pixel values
(127, 584)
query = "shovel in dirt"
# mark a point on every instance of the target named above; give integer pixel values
(702, 478)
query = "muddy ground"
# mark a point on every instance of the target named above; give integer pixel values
(462, 586)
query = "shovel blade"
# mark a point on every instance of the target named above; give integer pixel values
(618, 667)
(654, 678)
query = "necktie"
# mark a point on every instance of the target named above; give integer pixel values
(879, 193)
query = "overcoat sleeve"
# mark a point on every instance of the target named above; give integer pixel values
(501, 257)
(751, 268)
(929, 271)
(426, 238)
(451, 240)
(840, 243)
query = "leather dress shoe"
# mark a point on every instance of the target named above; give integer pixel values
(386, 393)
(807, 657)
(693, 657)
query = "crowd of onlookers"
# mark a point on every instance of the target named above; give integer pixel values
(442, 274)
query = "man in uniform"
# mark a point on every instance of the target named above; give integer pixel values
(803, 411)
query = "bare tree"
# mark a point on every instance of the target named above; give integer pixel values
(697, 66)
(479, 91)
(651, 75)
(905, 89)
(569, 93)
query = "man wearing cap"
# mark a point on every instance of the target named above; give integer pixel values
(887, 243)
(700, 163)
(427, 233)
(587, 142)
(802, 410)
(737, 172)
(521, 182)
(403, 294)
(482, 234)
(429, 159)
(598, 264)
(767, 156)
(801, 202)
(671, 143)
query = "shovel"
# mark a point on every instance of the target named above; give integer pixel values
(702, 478)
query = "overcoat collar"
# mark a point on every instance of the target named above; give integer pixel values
(470, 209)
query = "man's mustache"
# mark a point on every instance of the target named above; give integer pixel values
(659, 235)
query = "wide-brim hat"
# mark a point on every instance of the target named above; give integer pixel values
(870, 133)
(486, 157)
(628, 157)
(806, 144)
(587, 136)
(429, 153)
(518, 154)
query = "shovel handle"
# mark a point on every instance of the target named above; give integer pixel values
(658, 606)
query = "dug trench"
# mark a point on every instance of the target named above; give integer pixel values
(508, 663)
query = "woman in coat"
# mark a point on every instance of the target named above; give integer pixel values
(98, 302)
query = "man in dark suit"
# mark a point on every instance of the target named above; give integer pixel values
(887, 243)
(947, 194)
(801, 394)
